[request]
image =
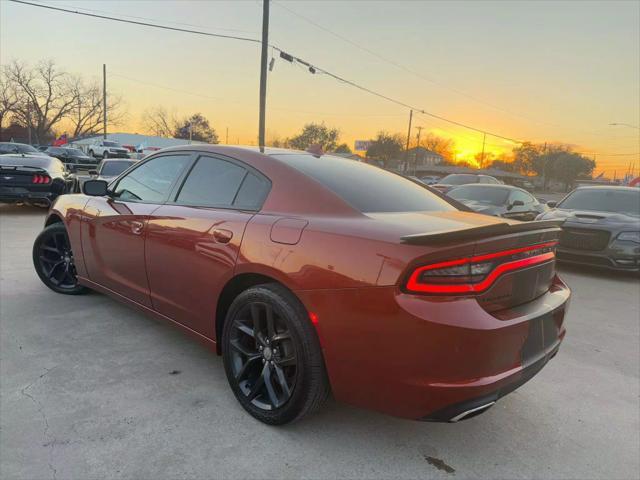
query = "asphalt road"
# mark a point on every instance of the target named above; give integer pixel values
(92, 389)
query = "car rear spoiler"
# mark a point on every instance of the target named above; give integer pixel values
(475, 233)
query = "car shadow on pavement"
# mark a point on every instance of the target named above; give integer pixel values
(601, 273)
(15, 209)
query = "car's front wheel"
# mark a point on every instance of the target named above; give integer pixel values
(54, 262)
(272, 355)
(105, 154)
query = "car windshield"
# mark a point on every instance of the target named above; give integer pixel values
(17, 148)
(74, 152)
(459, 179)
(113, 169)
(490, 195)
(365, 187)
(111, 144)
(604, 200)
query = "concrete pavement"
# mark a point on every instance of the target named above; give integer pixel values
(90, 388)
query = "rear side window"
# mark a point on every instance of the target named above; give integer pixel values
(252, 193)
(152, 181)
(522, 196)
(365, 187)
(212, 183)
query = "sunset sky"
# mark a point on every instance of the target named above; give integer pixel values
(537, 71)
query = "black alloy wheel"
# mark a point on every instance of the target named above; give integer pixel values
(54, 262)
(272, 355)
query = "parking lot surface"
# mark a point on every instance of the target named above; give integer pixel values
(90, 388)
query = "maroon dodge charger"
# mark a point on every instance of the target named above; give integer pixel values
(313, 273)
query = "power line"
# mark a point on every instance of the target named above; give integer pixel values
(153, 19)
(411, 71)
(135, 22)
(291, 58)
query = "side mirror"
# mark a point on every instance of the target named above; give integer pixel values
(552, 204)
(95, 188)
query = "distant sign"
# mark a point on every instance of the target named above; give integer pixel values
(362, 145)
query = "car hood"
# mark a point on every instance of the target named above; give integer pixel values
(589, 218)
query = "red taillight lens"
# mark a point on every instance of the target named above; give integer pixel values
(40, 179)
(477, 273)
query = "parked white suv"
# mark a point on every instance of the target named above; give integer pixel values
(107, 149)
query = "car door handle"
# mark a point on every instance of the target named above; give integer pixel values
(137, 227)
(222, 236)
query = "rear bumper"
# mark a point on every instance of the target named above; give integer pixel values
(432, 358)
(19, 194)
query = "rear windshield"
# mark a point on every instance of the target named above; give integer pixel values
(113, 169)
(604, 200)
(365, 187)
(17, 148)
(459, 179)
(111, 144)
(490, 195)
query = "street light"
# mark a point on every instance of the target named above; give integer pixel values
(624, 125)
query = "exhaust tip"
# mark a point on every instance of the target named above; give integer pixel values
(472, 412)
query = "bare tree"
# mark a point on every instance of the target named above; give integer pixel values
(159, 122)
(440, 145)
(8, 99)
(46, 95)
(86, 116)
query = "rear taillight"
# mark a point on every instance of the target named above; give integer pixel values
(477, 273)
(41, 179)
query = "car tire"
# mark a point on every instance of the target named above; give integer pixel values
(53, 261)
(91, 154)
(105, 154)
(276, 372)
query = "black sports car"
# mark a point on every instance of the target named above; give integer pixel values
(601, 227)
(455, 179)
(499, 201)
(72, 157)
(24, 148)
(33, 179)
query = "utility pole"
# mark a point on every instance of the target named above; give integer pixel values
(29, 120)
(190, 132)
(415, 159)
(406, 151)
(263, 71)
(544, 167)
(484, 139)
(104, 100)
(226, 138)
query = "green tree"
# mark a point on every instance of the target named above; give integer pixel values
(196, 127)
(317, 134)
(566, 166)
(387, 148)
(342, 148)
(527, 158)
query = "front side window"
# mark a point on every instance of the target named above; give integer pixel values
(522, 196)
(151, 182)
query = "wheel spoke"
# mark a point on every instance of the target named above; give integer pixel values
(245, 329)
(243, 350)
(55, 266)
(282, 381)
(243, 370)
(266, 373)
(257, 386)
(281, 336)
(286, 362)
(271, 331)
(50, 249)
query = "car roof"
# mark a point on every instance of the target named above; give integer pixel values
(608, 187)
